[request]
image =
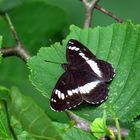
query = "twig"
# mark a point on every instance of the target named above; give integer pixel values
(18, 50)
(12, 29)
(9, 123)
(85, 125)
(79, 122)
(89, 11)
(108, 13)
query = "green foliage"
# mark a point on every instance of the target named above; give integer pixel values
(32, 118)
(6, 5)
(0, 47)
(118, 44)
(134, 131)
(4, 127)
(4, 130)
(37, 24)
(77, 134)
(70, 133)
(19, 131)
(4, 93)
(41, 23)
(99, 128)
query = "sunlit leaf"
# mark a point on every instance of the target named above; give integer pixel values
(99, 127)
(118, 44)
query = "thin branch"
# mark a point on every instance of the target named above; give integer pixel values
(85, 125)
(18, 50)
(15, 51)
(89, 11)
(12, 29)
(79, 122)
(108, 13)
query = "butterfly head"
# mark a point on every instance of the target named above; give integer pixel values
(68, 67)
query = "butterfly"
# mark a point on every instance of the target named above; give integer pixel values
(85, 79)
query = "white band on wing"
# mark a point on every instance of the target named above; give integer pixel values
(94, 67)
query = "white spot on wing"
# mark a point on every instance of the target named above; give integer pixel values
(59, 94)
(69, 92)
(56, 91)
(62, 96)
(72, 48)
(83, 56)
(75, 90)
(53, 100)
(77, 49)
(70, 42)
(94, 67)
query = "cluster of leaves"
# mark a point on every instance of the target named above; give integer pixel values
(118, 44)
(32, 119)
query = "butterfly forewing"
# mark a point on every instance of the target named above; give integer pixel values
(77, 53)
(80, 56)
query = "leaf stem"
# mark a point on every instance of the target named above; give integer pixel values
(118, 128)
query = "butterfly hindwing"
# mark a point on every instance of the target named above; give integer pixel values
(64, 96)
(107, 71)
(92, 89)
(97, 95)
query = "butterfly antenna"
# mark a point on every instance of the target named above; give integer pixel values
(53, 62)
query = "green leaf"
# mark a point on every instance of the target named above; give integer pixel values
(77, 134)
(134, 131)
(99, 128)
(4, 130)
(4, 93)
(19, 131)
(118, 44)
(6, 5)
(0, 47)
(71, 133)
(32, 118)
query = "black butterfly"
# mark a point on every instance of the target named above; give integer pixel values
(85, 79)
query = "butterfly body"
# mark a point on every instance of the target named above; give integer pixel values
(85, 79)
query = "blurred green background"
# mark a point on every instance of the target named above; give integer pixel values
(41, 23)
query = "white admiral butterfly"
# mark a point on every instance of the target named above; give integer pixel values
(85, 79)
